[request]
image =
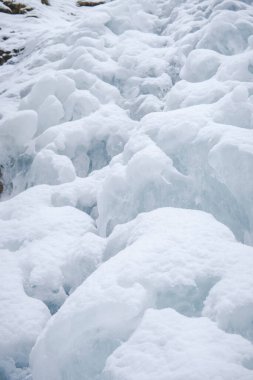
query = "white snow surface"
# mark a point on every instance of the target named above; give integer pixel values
(126, 217)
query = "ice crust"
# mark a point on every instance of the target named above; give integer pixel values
(126, 219)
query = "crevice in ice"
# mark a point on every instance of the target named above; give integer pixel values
(98, 156)
(6, 177)
(53, 308)
(14, 169)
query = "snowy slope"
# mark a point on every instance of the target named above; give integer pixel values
(126, 215)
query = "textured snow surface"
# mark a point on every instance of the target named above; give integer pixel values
(126, 217)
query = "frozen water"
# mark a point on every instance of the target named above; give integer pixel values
(126, 212)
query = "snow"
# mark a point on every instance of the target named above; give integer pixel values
(179, 342)
(153, 267)
(126, 216)
(21, 318)
(46, 241)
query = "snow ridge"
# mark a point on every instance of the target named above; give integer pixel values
(126, 218)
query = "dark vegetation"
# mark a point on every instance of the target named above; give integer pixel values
(17, 8)
(8, 54)
(14, 8)
(88, 3)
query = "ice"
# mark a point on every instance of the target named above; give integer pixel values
(20, 128)
(196, 139)
(65, 86)
(79, 104)
(40, 91)
(126, 158)
(50, 113)
(51, 169)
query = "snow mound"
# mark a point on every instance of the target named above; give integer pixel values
(168, 345)
(175, 258)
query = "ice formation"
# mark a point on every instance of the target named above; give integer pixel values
(126, 211)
